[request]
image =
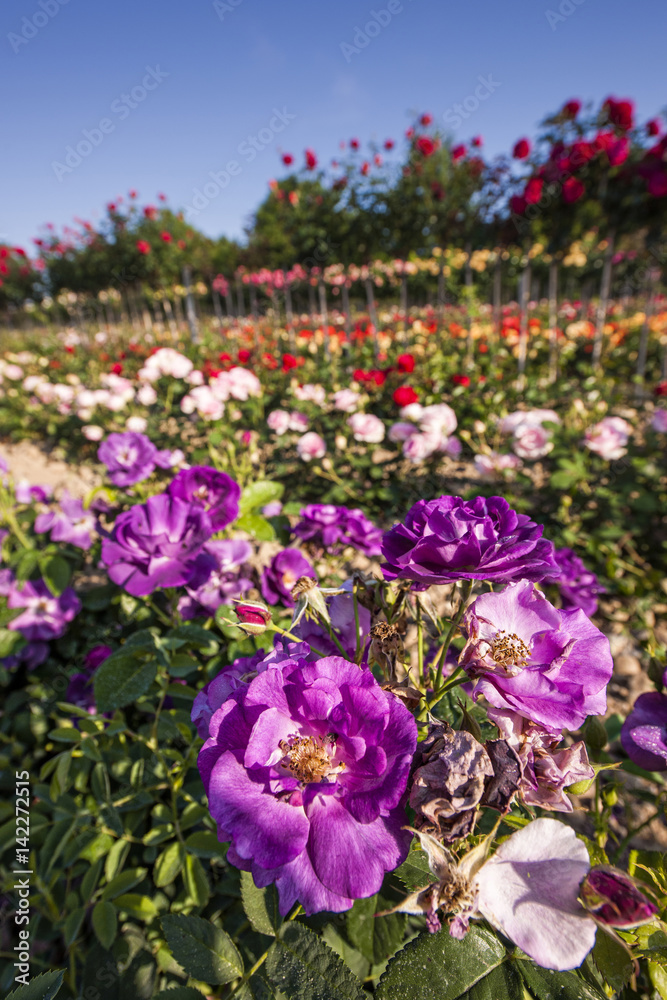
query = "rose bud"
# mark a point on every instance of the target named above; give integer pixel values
(253, 617)
(612, 898)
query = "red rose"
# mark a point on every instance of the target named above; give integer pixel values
(463, 380)
(426, 145)
(244, 355)
(483, 348)
(289, 362)
(426, 120)
(653, 127)
(405, 395)
(518, 204)
(573, 189)
(477, 141)
(406, 363)
(117, 369)
(377, 376)
(354, 144)
(533, 191)
(458, 152)
(521, 149)
(660, 389)
(311, 159)
(288, 159)
(572, 108)
(143, 247)
(621, 113)
(388, 144)
(166, 237)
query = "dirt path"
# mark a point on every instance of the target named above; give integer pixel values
(27, 461)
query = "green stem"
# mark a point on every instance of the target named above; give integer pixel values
(355, 601)
(420, 644)
(260, 961)
(161, 615)
(290, 635)
(466, 590)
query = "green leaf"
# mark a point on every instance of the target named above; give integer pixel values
(195, 880)
(612, 961)
(56, 572)
(303, 967)
(115, 859)
(121, 883)
(258, 495)
(180, 993)
(122, 679)
(65, 734)
(139, 906)
(658, 978)
(43, 987)
(98, 847)
(257, 526)
(205, 844)
(377, 938)
(105, 923)
(545, 985)
(257, 988)
(438, 966)
(73, 925)
(261, 906)
(90, 879)
(9, 642)
(202, 949)
(168, 865)
(502, 982)
(415, 873)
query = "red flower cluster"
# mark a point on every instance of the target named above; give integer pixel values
(405, 395)
(376, 376)
(463, 380)
(621, 113)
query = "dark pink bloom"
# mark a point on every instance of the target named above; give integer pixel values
(521, 149)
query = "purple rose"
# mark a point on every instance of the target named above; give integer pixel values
(129, 457)
(549, 666)
(95, 656)
(69, 524)
(279, 577)
(155, 544)
(45, 616)
(332, 527)
(453, 539)
(33, 654)
(644, 732)
(239, 674)
(215, 491)
(217, 577)
(579, 587)
(305, 771)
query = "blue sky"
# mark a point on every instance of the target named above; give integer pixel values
(213, 74)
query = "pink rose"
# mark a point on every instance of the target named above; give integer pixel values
(531, 441)
(310, 446)
(492, 464)
(278, 421)
(366, 427)
(419, 447)
(659, 422)
(438, 418)
(298, 422)
(346, 400)
(401, 431)
(608, 438)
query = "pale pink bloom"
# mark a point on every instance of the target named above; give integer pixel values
(346, 400)
(92, 432)
(278, 421)
(13, 372)
(203, 400)
(531, 441)
(311, 393)
(138, 424)
(659, 422)
(310, 446)
(412, 411)
(509, 424)
(243, 383)
(31, 382)
(450, 446)
(418, 447)
(146, 395)
(101, 337)
(437, 418)
(195, 377)
(609, 437)
(401, 431)
(366, 427)
(493, 464)
(168, 361)
(298, 421)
